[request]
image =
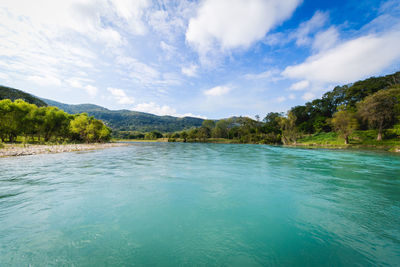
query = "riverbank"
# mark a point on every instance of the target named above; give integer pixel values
(159, 140)
(313, 143)
(12, 150)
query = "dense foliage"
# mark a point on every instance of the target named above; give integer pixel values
(369, 104)
(34, 123)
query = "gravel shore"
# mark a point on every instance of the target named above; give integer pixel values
(11, 150)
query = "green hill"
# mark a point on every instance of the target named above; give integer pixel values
(13, 94)
(118, 120)
(127, 120)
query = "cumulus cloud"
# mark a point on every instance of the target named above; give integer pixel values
(46, 42)
(163, 110)
(350, 61)
(235, 23)
(300, 85)
(120, 96)
(217, 91)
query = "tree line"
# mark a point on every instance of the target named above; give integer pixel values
(370, 104)
(21, 119)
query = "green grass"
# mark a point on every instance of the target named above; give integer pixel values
(359, 139)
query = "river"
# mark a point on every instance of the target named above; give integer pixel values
(173, 204)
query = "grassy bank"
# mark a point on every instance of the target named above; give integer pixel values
(359, 139)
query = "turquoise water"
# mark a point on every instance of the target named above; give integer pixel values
(172, 204)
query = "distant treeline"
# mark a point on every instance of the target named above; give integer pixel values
(369, 104)
(33, 123)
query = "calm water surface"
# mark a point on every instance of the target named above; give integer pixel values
(200, 204)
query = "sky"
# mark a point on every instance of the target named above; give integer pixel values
(211, 58)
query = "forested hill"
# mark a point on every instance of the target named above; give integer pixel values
(13, 94)
(127, 120)
(118, 120)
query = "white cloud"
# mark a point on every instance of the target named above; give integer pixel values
(45, 80)
(4, 76)
(300, 85)
(269, 74)
(91, 90)
(302, 33)
(171, 21)
(120, 96)
(190, 71)
(292, 97)
(153, 108)
(146, 75)
(164, 110)
(217, 91)
(132, 12)
(235, 23)
(325, 40)
(170, 51)
(350, 61)
(308, 96)
(77, 82)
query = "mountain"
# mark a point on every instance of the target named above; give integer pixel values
(118, 120)
(127, 120)
(13, 94)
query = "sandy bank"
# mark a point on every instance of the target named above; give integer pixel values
(11, 150)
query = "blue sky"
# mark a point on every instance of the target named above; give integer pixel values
(212, 58)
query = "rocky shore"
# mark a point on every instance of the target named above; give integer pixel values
(10, 150)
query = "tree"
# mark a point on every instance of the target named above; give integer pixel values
(79, 125)
(344, 122)
(289, 130)
(209, 124)
(184, 136)
(5, 118)
(271, 121)
(221, 129)
(380, 109)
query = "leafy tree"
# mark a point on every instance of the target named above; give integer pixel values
(209, 124)
(192, 134)
(153, 135)
(344, 122)
(184, 136)
(271, 121)
(380, 109)
(79, 126)
(221, 129)
(289, 130)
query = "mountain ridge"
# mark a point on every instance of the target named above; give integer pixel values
(118, 120)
